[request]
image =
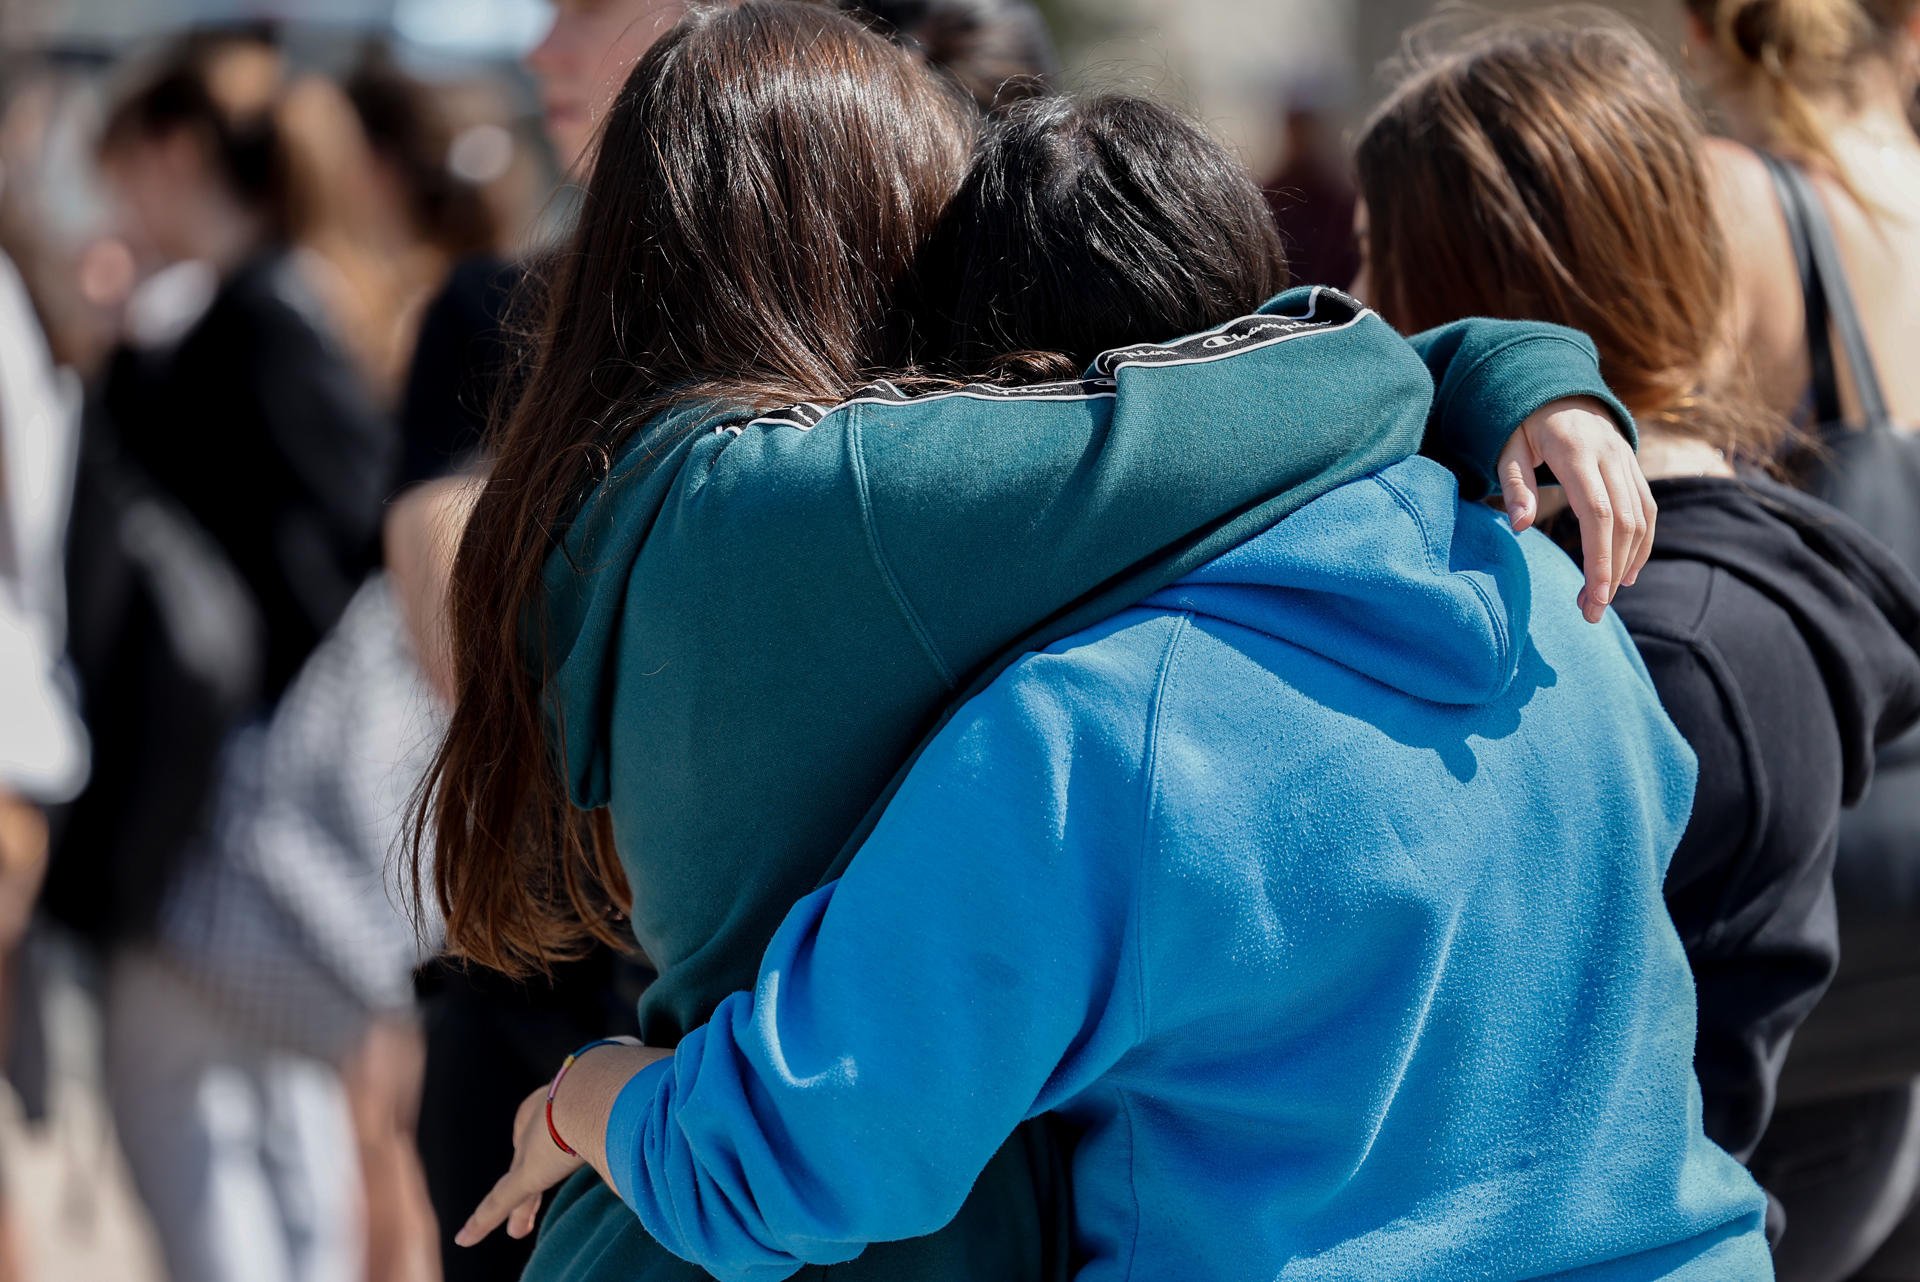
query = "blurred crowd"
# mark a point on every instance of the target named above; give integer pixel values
(233, 408)
(283, 309)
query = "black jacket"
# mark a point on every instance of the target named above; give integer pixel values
(1785, 643)
(461, 364)
(259, 425)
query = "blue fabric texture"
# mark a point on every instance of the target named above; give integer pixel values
(1318, 895)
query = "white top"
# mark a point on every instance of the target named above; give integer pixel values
(43, 748)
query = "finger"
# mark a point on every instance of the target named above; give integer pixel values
(1587, 495)
(1651, 510)
(493, 1208)
(1625, 522)
(1517, 488)
(524, 1217)
(1629, 520)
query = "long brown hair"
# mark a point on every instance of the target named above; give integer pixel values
(763, 180)
(1551, 169)
(1788, 53)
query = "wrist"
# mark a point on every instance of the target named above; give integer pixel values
(560, 1076)
(584, 1101)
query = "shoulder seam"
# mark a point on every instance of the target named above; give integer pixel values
(856, 444)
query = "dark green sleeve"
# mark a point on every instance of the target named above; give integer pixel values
(1489, 375)
(999, 525)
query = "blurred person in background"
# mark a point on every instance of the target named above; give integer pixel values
(293, 897)
(352, 247)
(255, 389)
(998, 52)
(43, 747)
(491, 1040)
(454, 186)
(446, 169)
(457, 192)
(584, 58)
(1819, 191)
(1825, 84)
(1553, 169)
(488, 1040)
(248, 461)
(284, 916)
(1312, 197)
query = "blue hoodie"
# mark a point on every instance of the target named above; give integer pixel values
(1318, 896)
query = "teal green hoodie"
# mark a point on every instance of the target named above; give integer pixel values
(754, 624)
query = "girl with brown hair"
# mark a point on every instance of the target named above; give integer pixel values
(1554, 170)
(1828, 86)
(1818, 187)
(994, 50)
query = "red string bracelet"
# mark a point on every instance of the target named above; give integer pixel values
(553, 1088)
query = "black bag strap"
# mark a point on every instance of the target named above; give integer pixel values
(1828, 301)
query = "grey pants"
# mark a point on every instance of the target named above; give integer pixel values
(244, 1154)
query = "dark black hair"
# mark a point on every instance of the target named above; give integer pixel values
(1088, 225)
(999, 51)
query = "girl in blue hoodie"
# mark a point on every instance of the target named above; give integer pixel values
(1212, 881)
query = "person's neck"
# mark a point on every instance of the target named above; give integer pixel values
(1664, 455)
(1871, 113)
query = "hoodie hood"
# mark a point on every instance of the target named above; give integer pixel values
(1857, 607)
(1391, 576)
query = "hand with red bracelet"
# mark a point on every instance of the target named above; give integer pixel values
(573, 1112)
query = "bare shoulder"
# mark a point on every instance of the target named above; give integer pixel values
(1734, 162)
(1744, 198)
(1767, 321)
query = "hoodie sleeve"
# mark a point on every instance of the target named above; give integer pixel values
(973, 968)
(1489, 375)
(1192, 447)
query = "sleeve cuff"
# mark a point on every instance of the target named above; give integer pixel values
(625, 1122)
(1506, 385)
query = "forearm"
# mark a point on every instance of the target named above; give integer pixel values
(423, 531)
